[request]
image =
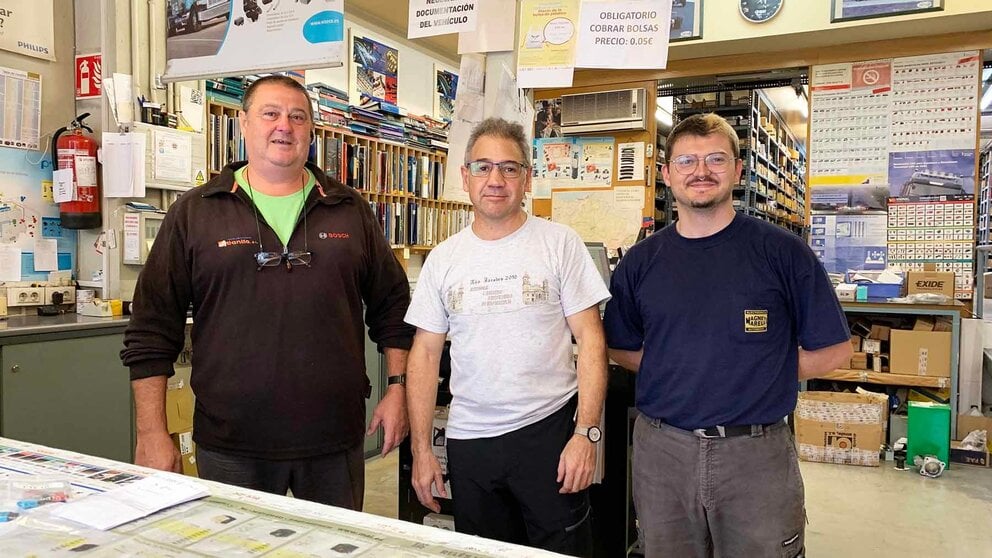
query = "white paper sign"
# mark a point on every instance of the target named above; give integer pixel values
(173, 156)
(122, 101)
(46, 256)
(132, 244)
(63, 189)
(10, 263)
(629, 35)
(628, 197)
(491, 34)
(123, 165)
(441, 17)
(630, 161)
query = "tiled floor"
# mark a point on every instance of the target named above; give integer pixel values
(853, 511)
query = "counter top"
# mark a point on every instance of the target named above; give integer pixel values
(29, 325)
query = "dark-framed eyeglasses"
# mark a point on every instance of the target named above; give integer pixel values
(507, 169)
(292, 259)
(715, 162)
(265, 258)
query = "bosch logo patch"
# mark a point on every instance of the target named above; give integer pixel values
(326, 235)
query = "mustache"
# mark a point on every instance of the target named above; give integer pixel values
(705, 179)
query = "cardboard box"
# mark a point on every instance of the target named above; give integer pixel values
(179, 421)
(921, 353)
(969, 456)
(924, 323)
(967, 423)
(880, 362)
(846, 291)
(847, 428)
(880, 332)
(859, 361)
(871, 346)
(935, 282)
(943, 324)
(856, 343)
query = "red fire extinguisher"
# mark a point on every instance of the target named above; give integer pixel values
(72, 149)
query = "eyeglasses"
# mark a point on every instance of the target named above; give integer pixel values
(507, 169)
(273, 259)
(716, 162)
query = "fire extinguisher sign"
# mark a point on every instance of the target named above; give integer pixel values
(89, 75)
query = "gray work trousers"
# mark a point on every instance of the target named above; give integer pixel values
(740, 496)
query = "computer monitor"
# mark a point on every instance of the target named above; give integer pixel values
(601, 258)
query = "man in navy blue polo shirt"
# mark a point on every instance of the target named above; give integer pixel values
(721, 315)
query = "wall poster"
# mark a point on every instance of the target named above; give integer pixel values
(376, 67)
(446, 85)
(687, 20)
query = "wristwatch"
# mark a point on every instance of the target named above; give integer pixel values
(397, 379)
(593, 433)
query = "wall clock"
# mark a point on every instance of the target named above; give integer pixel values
(760, 11)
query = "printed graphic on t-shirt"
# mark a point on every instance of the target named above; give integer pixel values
(755, 321)
(491, 294)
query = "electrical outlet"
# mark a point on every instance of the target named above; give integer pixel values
(25, 296)
(68, 294)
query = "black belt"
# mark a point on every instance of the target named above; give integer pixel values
(730, 431)
(722, 431)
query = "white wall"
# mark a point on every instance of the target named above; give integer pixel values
(415, 82)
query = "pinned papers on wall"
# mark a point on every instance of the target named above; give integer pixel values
(191, 108)
(491, 34)
(63, 188)
(46, 256)
(123, 165)
(630, 161)
(173, 156)
(10, 263)
(546, 46)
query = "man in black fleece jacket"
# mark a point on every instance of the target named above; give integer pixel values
(276, 260)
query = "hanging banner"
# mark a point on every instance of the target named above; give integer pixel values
(28, 27)
(215, 38)
(546, 51)
(624, 35)
(441, 17)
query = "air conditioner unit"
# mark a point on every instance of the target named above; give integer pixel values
(622, 109)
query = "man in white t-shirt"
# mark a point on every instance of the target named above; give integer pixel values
(510, 292)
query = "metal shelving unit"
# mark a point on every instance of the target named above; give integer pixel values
(773, 182)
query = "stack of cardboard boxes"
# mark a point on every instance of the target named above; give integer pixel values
(924, 350)
(835, 427)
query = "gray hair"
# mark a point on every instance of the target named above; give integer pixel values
(503, 129)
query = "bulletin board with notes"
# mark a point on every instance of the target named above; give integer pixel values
(599, 183)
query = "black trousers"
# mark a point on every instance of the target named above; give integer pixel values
(506, 488)
(337, 479)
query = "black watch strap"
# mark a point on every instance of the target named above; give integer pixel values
(397, 379)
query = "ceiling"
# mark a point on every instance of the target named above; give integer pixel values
(393, 15)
